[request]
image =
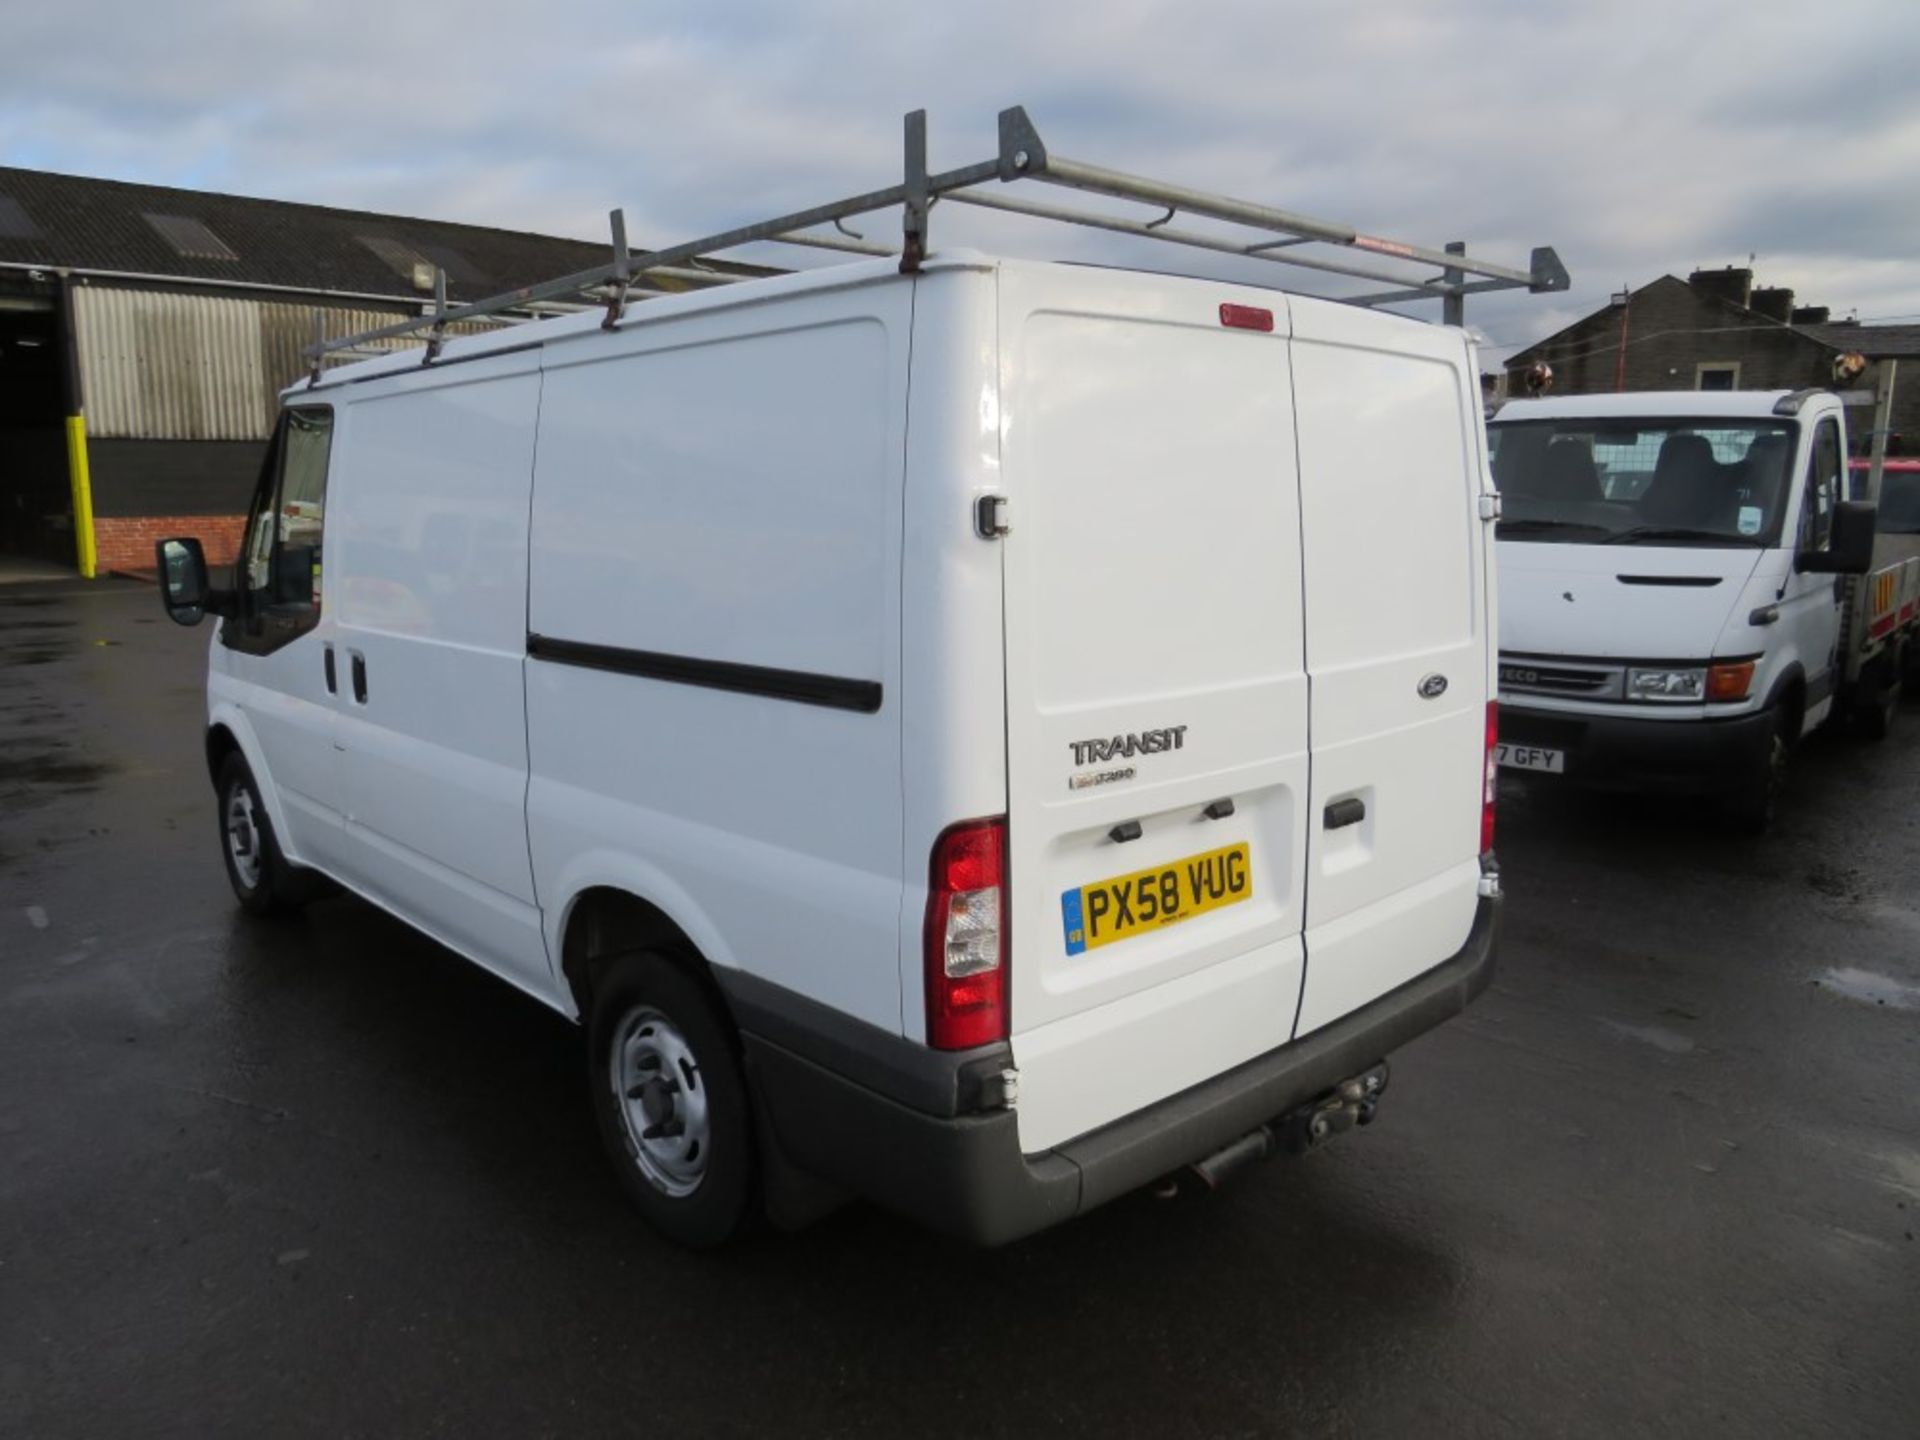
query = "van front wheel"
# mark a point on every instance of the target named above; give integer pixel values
(263, 882)
(670, 1099)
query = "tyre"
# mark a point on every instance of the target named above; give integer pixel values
(1879, 702)
(670, 1099)
(1752, 807)
(262, 880)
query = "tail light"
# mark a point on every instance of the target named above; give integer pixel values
(1246, 317)
(966, 936)
(1487, 785)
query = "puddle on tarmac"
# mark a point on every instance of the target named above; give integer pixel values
(1869, 988)
(52, 769)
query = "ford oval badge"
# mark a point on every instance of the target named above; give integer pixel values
(1433, 687)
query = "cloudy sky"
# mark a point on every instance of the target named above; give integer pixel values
(1639, 138)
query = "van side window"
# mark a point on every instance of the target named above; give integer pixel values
(1823, 488)
(280, 570)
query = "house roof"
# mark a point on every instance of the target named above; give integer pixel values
(1526, 356)
(1873, 341)
(79, 223)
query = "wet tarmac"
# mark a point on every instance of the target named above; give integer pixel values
(322, 1178)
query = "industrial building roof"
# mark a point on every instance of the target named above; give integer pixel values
(79, 223)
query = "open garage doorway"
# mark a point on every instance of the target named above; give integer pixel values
(36, 496)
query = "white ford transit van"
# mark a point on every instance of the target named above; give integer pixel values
(983, 738)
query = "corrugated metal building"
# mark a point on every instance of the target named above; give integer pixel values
(146, 332)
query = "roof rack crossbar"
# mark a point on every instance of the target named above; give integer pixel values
(1022, 156)
(835, 242)
(1173, 236)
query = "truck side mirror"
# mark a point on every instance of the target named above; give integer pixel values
(1850, 545)
(184, 588)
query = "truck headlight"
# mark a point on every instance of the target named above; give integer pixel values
(1667, 685)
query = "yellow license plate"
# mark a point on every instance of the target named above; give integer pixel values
(1129, 905)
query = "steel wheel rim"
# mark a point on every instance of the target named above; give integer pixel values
(243, 836)
(661, 1097)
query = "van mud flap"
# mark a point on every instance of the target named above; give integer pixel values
(1352, 1102)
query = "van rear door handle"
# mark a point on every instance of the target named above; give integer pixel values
(360, 677)
(333, 680)
(1350, 811)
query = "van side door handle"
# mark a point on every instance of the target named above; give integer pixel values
(333, 679)
(359, 677)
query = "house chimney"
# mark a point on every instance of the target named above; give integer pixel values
(1775, 304)
(1811, 314)
(1731, 284)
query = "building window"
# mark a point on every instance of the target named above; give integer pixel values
(1717, 375)
(190, 238)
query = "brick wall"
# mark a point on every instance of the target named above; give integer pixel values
(126, 542)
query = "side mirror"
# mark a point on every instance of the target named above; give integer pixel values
(1850, 546)
(184, 588)
(183, 579)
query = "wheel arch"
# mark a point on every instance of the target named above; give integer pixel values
(228, 733)
(609, 918)
(1789, 690)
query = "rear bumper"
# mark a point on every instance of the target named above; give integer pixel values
(1698, 757)
(965, 1174)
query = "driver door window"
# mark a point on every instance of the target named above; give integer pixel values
(1823, 488)
(281, 568)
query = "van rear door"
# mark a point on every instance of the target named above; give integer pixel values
(1398, 647)
(1156, 688)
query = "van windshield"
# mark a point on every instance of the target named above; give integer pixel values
(1638, 482)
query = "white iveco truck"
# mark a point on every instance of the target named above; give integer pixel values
(1686, 591)
(927, 718)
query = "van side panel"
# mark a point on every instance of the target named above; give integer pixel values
(718, 492)
(430, 578)
(1396, 606)
(1153, 586)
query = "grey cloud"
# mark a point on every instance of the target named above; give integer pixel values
(1638, 137)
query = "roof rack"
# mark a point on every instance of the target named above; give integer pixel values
(1023, 156)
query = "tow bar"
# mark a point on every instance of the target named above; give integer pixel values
(1352, 1102)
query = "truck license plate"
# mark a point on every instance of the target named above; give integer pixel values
(1530, 757)
(1129, 905)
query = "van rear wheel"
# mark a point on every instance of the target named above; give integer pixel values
(670, 1099)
